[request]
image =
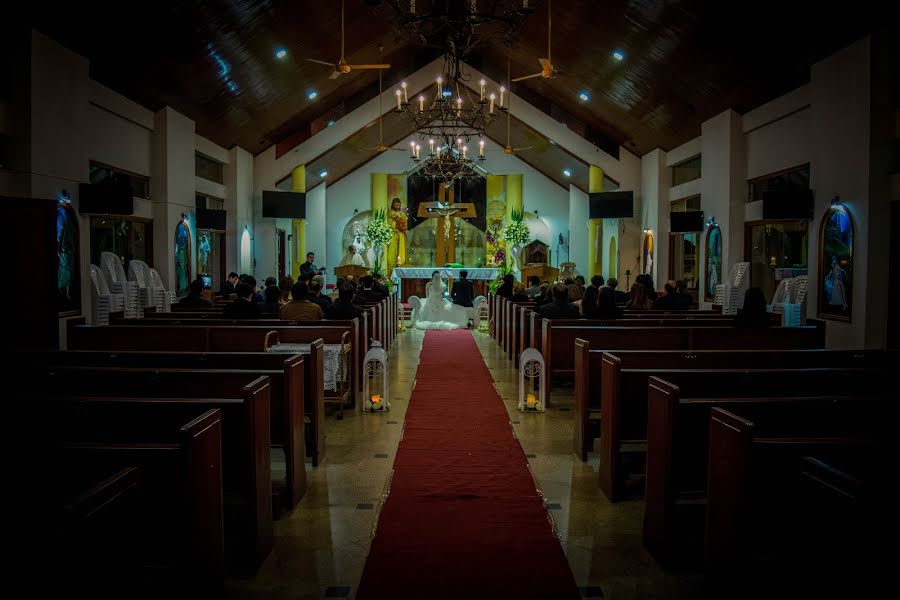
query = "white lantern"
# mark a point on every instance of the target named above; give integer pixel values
(375, 379)
(532, 382)
(475, 312)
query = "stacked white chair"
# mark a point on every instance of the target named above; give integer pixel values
(730, 295)
(118, 284)
(150, 295)
(170, 296)
(795, 302)
(103, 301)
(779, 298)
(475, 312)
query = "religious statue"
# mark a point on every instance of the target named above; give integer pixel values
(397, 246)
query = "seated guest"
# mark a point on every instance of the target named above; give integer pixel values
(300, 308)
(343, 307)
(639, 299)
(589, 301)
(597, 281)
(534, 287)
(463, 292)
(287, 282)
(670, 301)
(645, 280)
(569, 281)
(755, 312)
(620, 297)
(228, 286)
(606, 304)
(367, 294)
(546, 296)
(315, 294)
(579, 280)
(685, 299)
(506, 288)
(379, 288)
(335, 294)
(269, 281)
(519, 293)
(195, 298)
(272, 304)
(243, 306)
(250, 280)
(560, 308)
(575, 296)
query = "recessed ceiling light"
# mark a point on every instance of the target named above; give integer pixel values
(619, 55)
(280, 53)
(323, 173)
(584, 96)
(312, 94)
(567, 172)
(329, 123)
(552, 142)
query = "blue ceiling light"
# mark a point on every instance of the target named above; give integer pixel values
(619, 55)
(329, 123)
(584, 96)
(312, 94)
(323, 173)
(280, 53)
(567, 172)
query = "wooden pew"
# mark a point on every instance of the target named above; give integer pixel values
(148, 394)
(751, 519)
(623, 401)
(160, 505)
(513, 330)
(289, 391)
(677, 450)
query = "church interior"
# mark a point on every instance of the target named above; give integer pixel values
(456, 298)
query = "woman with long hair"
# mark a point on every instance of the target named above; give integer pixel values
(639, 299)
(606, 304)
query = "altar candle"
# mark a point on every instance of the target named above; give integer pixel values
(403, 85)
(502, 89)
(398, 99)
(492, 103)
(481, 148)
(482, 82)
(421, 103)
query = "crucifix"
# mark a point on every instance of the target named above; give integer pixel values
(446, 212)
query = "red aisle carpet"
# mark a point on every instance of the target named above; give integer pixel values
(463, 518)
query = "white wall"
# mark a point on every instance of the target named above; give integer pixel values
(578, 229)
(779, 145)
(316, 234)
(656, 178)
(120, 131)
(239, 207)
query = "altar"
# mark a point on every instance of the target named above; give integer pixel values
(412, 280)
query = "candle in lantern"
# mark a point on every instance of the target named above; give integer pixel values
(481, 148)
(376, 399)
(502, 89)
(482, 82)
(492, 102)
(398, 99)
(403, 85)
(421, 103)
(530, 401)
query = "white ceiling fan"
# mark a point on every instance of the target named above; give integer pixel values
(381, 147)
(548, 71)
(508, 149)
(341, 66)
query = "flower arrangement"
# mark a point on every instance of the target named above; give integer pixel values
(378, 231)
(499, 257)
(516, 231)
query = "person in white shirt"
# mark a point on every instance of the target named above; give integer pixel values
(352, 258)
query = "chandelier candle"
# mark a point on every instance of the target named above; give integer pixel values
(398, 99)
(502, 89)
(492, 103)
(403, 85)
(482, 82)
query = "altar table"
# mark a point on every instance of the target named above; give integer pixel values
(412, 280)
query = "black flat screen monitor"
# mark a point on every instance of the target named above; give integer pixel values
(611, 205)
(284, 205)
(105, 199)
(691, 220)
(787, 204)
(210, 218)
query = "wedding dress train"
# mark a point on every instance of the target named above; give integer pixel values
(435, 312)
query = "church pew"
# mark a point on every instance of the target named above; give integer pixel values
(514, 331)
(142, 395)
(678, 447)
(558, 347)
(749, 525)
(623, 401)
(287, 398)
(589, 372)
(162, 506)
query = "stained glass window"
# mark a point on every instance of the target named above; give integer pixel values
(69, 291)
(182, 258)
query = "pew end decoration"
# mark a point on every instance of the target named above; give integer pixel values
(375, 379)
(730, 295)
(478, 305)
(532, 381)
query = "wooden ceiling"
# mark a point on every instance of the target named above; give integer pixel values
(685, 60)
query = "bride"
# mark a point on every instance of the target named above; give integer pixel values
(435, 312)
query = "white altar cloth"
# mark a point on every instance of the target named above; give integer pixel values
(425, 272)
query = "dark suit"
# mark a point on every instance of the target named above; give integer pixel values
(241, 309)
(307, 271)
(363, 296)
(559, 310)
(227, 289)
(195, 302)
(382, 289)
(322, 301)
(342, 310)
(463, 292)
(667, 302)
(505, 290)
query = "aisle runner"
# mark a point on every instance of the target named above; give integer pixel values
(463, 519)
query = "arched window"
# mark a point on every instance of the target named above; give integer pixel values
(713, 270)
(182, 258)
(67, 280)
(647, 253)
(836, 264)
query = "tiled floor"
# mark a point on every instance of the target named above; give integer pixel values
(321, 546)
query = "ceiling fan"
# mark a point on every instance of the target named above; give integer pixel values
(508, 149)
(342, 66)
(381, 147)
(548, 71)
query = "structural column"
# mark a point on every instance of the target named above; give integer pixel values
(380, 204)
(595, 227)
(298, 184)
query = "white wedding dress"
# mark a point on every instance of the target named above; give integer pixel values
(435, 312)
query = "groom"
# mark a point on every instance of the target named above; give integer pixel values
(463, 292)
